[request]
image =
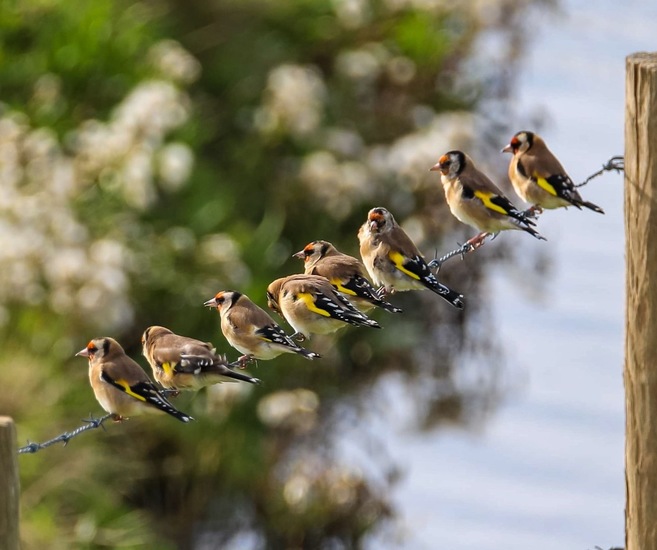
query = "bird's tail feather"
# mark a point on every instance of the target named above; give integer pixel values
(308, 354)
(452, 296)
(532, 232)
(592, 206)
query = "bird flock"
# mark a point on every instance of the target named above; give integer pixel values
(335, 289)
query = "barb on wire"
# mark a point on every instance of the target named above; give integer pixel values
(469, 246)
(616, 163)
(462, 250)
(90, 424)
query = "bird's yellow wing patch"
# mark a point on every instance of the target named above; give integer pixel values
(308, 299)
(337, 283)
(168, 368)
(128, 390)
(545, 184)
(486, 198)
(398, 260)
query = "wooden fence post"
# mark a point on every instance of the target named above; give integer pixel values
(9, 487)
(641, 302)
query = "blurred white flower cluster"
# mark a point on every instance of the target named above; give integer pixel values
(175, 62)
(409, 158)
(310, 479)
(342, 172)
(344, 169)
(293, 102)
(49, 257)
(294, 410)
(339, 185)
(127, 153)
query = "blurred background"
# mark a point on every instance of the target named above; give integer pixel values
(154, 153)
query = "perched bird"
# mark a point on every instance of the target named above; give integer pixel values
(393, 260)
(250, 329)
(312, 306)
(120, 385)
(539, 178)
(475, 200)
(182, 363)
(344, 272)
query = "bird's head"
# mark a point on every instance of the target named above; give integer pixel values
(98, 347)
(315, 251)
(451, 163)
(521, 142)
(222, 300)
(273, 294)
(379, 220)
(153, 333)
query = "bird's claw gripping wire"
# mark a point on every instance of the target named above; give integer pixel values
(242, 362)
(532, 212)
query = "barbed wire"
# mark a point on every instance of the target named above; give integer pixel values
(90, 424)
(615, 163)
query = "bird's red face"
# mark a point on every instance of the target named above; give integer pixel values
(218, 301)
(442, 165)
(513, 145)
(306, 253)
(521, 142)
(376, 220)
(89, 351)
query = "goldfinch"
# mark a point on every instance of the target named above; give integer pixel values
(475, 200)
(393, 260)
(182, 363)
(538, 176)
(344, 272)
(250, 329)
(120, 385)
(312, 306)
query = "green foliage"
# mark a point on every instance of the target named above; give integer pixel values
(95, 50)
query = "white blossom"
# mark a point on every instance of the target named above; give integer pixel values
(293, 100)
(49, 256)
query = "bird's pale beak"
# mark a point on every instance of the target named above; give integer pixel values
(210, 303)
(508, 149)
(82, 353)
(299, 255)
(436, 167)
